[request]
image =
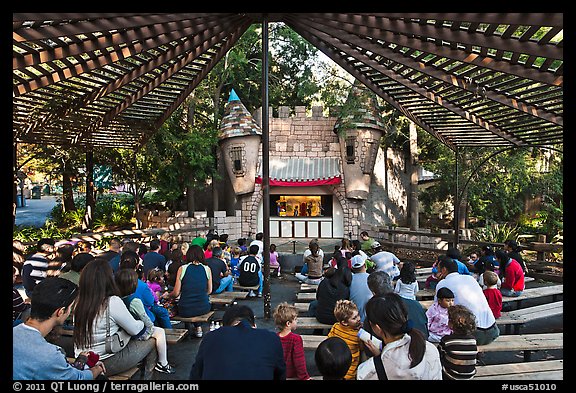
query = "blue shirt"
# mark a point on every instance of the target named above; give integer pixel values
(153, 260)
(360, 293)
(35, 358)
(115, 263)
(462, 268)
(144, 293)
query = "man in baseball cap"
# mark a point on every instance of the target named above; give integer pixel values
(359, 291)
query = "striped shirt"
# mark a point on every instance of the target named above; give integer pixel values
(458, 356)
(18, 305)
(294, 356)
(34, 271)
(350, 337)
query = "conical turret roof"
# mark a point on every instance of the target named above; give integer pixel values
(361, 110)
(237, 121)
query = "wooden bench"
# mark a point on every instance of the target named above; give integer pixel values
(308, 287)
(302, 308)
(312, 323)
(535, 293)
(425, 294)
(241, 288)
(122, 376)
(306, 296)
(518, 318)
(526, 343)
(189, 320)
(174, 336)
(230, 295)
(539, 370)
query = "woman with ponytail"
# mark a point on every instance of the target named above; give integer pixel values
(405, 354)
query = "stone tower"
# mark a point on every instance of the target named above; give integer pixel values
(239, 142)
(359, 128)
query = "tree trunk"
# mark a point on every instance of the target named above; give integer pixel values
(88, 221)
(190, 201)
(67, 190)
(414, 205)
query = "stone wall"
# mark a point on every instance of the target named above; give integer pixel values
(180, 222)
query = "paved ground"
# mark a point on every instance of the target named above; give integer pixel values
(36, 211)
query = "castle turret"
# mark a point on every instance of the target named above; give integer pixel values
(240, 138)
(359, 128)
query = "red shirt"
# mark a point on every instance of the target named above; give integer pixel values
(494, 297)
(514, 276)
(294, 356)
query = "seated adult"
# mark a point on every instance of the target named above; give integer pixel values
(98, 311)
(250, 271)
(79, 261)
(153, 259)
(157, 314)
(193, 285)
(128, 245)
(468, 293)
(334, 286)
(486, 260)
(35, 266)
(511, 273)
(308, 251)
(222, 280)
(380, 284)
(453, 253)
(385, 261)
(239, 350)
(406, 354)
(32, 356)
(314, 262)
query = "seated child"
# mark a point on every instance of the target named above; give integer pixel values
(437, 315)
(274, 264)
(407, 285)
(155, 282)
(126, 280)
(347, 328)
(458, 350)
(234, 262)
(433, 278)
(492, 293)
(333, 358)
(286, 320)
(489, 268)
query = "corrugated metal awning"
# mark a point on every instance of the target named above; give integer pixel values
(302, 171)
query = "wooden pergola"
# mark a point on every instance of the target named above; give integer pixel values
(110, 80)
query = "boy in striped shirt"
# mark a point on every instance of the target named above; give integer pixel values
(347, 327)
(458, 350)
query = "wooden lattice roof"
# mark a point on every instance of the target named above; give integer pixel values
(111, 79)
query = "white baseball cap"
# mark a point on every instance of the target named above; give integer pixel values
(375, 244)
(358, 261)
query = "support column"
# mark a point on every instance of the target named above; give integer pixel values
(265, 169)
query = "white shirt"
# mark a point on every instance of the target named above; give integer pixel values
(407, 291)
(387, 262)
(468, 293)
(260, 245)
(120, 318)
(396, 362)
